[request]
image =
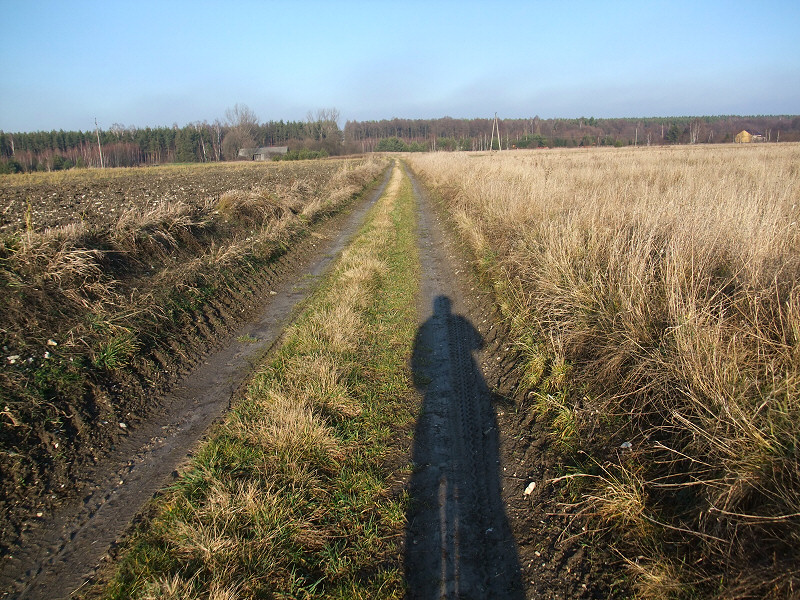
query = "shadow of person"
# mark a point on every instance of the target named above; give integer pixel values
(458, 541)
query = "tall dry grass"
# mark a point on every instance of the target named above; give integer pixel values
(655, 298)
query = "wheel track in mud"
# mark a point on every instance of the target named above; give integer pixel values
(458, 540)
(66, 548)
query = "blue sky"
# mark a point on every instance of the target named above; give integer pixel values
(63, 64)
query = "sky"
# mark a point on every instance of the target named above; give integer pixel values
(65, 64)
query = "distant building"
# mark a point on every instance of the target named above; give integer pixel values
(264, 153)
(745, 137)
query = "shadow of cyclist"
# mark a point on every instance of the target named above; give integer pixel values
(458, 541)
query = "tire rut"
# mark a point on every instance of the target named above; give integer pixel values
(458, 540)
(65, 549)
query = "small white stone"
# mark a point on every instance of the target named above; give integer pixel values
(123, 426)
(530, 488)
(52, 342)
(625, 445)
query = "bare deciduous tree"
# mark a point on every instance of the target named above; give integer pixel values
(694, 131)
(243, 118)
(243, 122)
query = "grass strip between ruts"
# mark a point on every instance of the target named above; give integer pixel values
(290, 496)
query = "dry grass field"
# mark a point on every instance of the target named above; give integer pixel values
(654, 296)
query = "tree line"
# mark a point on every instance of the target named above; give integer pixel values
(120, 146)
(476, 134)
(319, 135)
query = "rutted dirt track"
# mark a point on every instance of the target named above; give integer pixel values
(458, 543)
(475, 530)
(59, 554)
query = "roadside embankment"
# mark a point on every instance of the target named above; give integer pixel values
(144, 273)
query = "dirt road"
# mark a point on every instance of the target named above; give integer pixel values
(62, 551)
(458, 544)
(458, 541)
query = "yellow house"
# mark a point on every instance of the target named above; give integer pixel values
(743, 137)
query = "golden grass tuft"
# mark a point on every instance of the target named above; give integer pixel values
(656, 580)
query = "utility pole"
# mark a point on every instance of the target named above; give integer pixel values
(499, 139)
(99, 146)
(496, 125)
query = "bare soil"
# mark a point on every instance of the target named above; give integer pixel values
(62, 547)
(100, 197)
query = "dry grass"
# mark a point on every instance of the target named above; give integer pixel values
(86, 305)
(667, 280)
(289, 498)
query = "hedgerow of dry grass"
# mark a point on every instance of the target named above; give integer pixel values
(655, 298)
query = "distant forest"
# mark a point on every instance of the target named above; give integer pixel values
(320, 133)
(476, 134)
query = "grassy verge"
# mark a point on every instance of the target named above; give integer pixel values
(290, 497)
